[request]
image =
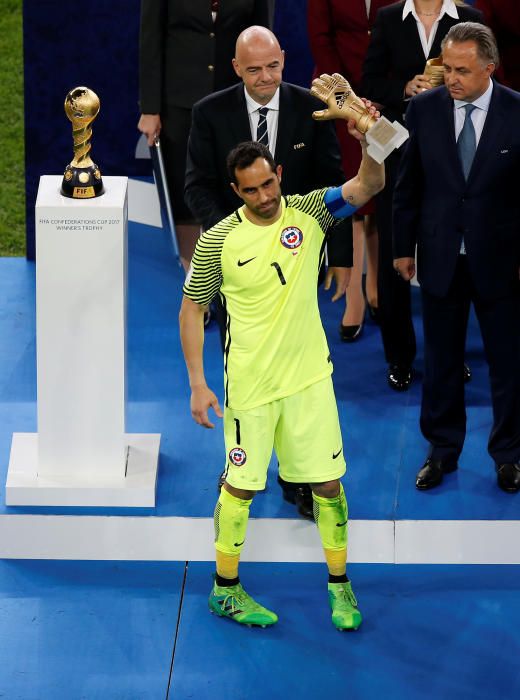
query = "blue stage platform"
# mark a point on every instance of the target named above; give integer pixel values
(136, 631)
(141, 630)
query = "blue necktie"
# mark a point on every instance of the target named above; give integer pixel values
(467, 141)
(261, 129)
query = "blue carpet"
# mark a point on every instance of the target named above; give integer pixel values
(429, 632)
(107, 631)
(87, 630)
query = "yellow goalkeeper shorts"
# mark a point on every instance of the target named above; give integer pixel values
(302, 428)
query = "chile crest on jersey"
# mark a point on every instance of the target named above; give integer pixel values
(291, 237)
(237, 456)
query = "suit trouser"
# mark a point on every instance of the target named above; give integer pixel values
(393, 293)
(443, 412)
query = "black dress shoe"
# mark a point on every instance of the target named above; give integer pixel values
(349, 334)
(300, 495)
(399, 377)
(432, 472)
(467, 374)
(508, 476)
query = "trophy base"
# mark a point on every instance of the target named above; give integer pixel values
(384, 137)
(82, 183)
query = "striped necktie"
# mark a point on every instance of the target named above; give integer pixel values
(467, 141)
(261, 129)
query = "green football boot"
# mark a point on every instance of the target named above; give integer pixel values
(343, 603)
(235, 603)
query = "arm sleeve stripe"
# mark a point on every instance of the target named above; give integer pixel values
(337, 205)
(205, 276)
(314, 205)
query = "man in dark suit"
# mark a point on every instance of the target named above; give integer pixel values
(307, 151)
(457, 199)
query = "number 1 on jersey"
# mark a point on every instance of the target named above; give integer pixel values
(279, 271)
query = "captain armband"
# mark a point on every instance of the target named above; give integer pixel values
(336, 204)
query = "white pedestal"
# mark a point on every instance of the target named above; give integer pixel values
(81, 278)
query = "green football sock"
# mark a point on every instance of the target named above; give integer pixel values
(331, 516)
(231, 516)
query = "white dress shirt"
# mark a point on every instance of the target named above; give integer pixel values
(272, 117)
(448, 8)
(478, 116)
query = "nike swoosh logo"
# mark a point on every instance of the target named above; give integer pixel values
(336, 454)
(240, 263)
(239, 544)
(341, 524)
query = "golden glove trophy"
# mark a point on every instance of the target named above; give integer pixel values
(82, 177)
(434, 69)
(342, 103)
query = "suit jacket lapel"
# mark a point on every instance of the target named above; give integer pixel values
(286, 125)
(490, 136)
(410, 38)
(446, 133)
(442, 29)
(239, 122)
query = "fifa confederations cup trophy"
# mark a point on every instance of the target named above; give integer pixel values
(342, 103)
(82, 177)
(434, 69)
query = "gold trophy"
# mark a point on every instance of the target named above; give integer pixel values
(82, 177)
(342, 103)
(434, 69)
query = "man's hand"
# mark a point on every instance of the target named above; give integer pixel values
(405, 267)
(352, 125)
(150, 125)
(342, 277)
(202, 398)
(419, 83)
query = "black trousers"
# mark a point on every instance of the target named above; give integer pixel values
(393, 293)
(443, 412)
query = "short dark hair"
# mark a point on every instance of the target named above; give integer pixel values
(245, 155)
(482, 36)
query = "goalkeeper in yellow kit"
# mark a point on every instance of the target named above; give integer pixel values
(263, 260)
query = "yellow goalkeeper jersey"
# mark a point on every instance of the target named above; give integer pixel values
(267, 278)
